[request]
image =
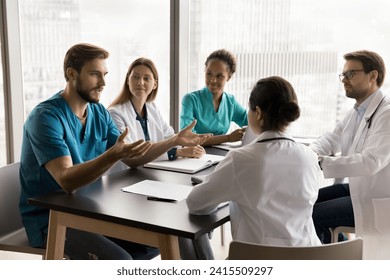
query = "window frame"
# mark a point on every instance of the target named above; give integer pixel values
(180, 55)
(12, 79)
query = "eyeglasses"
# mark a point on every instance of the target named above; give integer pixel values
(349, 74)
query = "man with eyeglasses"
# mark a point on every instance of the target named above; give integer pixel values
(357, 154)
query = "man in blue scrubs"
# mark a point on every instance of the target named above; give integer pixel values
(70, 141)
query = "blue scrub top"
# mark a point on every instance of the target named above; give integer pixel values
(199, 105)
(52, 130)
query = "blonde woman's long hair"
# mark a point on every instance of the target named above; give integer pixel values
(125, 94)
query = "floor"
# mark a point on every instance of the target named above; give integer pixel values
(5, 255)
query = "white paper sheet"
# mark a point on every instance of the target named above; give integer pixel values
(160, 189)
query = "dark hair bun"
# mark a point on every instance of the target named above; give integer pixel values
(288, 112)
(276, 98)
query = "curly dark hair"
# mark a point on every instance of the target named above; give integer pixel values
(225, 56)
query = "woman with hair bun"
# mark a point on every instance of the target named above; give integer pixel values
(272, 183)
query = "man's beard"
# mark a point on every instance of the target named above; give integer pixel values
(85, 94)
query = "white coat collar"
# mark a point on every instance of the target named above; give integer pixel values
(378, 96)
(131, 109)
(271, 134)
(372, 108)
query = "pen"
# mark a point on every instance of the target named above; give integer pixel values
(160, 199)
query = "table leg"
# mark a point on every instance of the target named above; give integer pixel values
(58, 222)
(55, 238)
(169, 247)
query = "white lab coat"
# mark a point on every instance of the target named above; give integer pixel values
(366, 163)
(271, 186)
(125, 115)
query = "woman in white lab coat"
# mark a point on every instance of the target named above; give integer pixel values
(271, 183)
(134, 108)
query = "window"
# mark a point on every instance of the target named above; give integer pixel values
(128, 29)
(300, 40)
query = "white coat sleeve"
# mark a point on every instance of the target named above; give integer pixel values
(162, 129)
(167, 129)
(329, 143)
(216, 188)
(374, 156)
(120, 123)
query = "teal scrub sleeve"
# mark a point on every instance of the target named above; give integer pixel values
(188, 113)
(46, 134)
(240, 115)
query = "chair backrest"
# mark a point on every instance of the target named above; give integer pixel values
(346, 250)
(13, 237)
(10, 219)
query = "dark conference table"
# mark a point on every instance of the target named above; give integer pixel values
(102, 207)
